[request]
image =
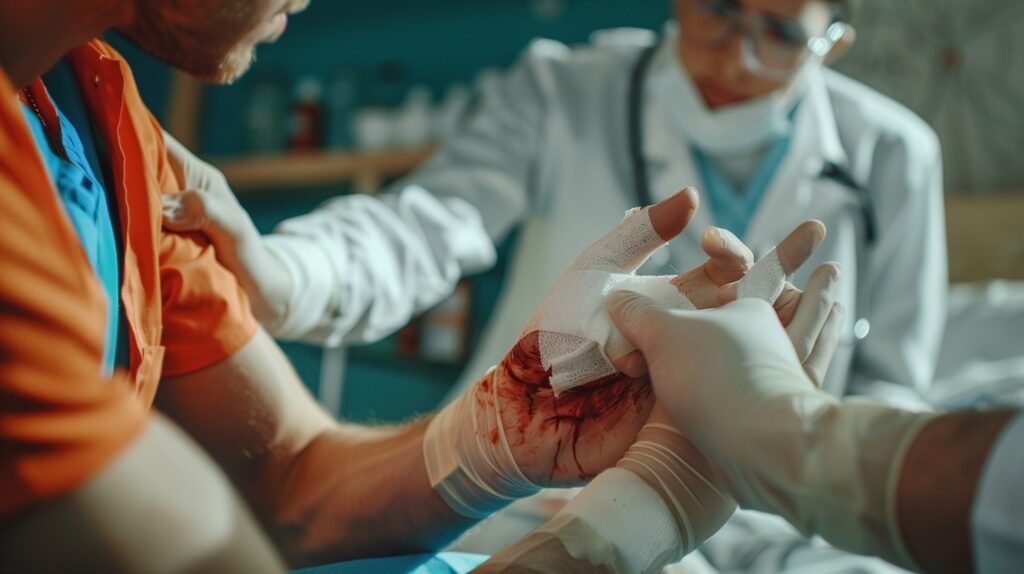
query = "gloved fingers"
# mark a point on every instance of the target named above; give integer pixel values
(635, 316)
(810, 311)
(816, 365)
(788, 303)
(179, 157)
(798, 246)
(785, 304)
(659, 416)
(184, 211)
(632, 365)
(641, 233)
(193, 172)
(661, 290)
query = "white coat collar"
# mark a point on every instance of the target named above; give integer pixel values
(670, 164)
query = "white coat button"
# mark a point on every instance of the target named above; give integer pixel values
(861, 328)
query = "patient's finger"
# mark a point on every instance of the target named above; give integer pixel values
(626, 247)
(728, 259)
(811, 312)
(798, 246)
(816, 365)
(671, 216)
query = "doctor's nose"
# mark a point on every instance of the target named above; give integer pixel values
(730, 61)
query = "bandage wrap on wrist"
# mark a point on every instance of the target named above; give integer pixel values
(659, 503)
(468, 459)
(674, 468)
(577, 339)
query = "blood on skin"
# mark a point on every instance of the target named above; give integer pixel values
(529, 404)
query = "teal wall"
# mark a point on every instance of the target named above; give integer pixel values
(389, 45)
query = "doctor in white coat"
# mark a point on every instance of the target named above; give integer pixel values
(733, 98)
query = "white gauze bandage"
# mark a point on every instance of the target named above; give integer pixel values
(765, 280)
(577, 340)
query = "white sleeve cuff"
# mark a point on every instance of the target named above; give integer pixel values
(997, 521)
(312, 276)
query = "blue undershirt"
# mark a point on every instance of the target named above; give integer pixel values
(80, 182)
(734, 209)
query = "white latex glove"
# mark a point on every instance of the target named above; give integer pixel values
(731, 381)
(207, 203)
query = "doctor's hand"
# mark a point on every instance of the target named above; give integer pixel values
(208, 205)
(731, 381)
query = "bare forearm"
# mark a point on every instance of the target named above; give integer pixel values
(938, 484)
(161, 506)
(357, 492)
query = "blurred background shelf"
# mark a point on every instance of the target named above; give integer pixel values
(367, 171)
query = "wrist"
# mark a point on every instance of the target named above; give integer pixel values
(468, 459)
(852, 472)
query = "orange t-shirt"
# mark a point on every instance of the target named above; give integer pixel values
(60, 420)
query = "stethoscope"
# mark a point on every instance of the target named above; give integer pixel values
(830, 170)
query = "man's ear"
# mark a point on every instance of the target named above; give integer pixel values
(844, 44)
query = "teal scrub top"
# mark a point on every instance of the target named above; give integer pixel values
(734, 209)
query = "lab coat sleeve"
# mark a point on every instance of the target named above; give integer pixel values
(907, 276)
(999, 505)
(363, 266)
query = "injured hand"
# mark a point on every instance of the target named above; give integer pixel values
(525, 425)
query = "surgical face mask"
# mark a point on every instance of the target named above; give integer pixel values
(734, 129)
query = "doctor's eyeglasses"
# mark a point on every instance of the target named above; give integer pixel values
(772, 46)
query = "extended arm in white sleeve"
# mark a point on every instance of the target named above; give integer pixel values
(363, 266)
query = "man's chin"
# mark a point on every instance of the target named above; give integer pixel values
(226, 71)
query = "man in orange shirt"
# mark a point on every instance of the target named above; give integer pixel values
(103, 316)
(90, 477)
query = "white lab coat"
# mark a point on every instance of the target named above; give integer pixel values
(547, 148)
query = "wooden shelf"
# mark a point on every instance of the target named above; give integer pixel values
(366, 170)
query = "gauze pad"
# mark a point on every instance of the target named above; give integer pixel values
(765, 280)
(576, 337)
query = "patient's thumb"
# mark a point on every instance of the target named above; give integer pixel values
(634, 315)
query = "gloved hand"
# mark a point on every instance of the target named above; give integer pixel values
(514, 432)
(207, 203)
(731, 381)
(659, 503)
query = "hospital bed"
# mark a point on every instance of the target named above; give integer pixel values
(982, 358)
